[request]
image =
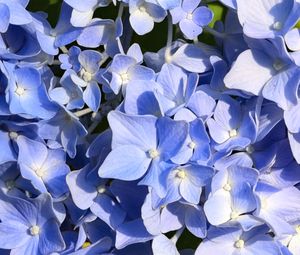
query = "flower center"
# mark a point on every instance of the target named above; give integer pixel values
(298, 229)
(13, 135)
(189, 16)
(142, 8)
(181, 173)
(20, 91)
(125, 78)
(101, 189)
(239, 244)
(153, 153)
(86, 244)
(263, 203)
(192, 145)
(234, 215)
(233, 133)
(277, 25)
(86, 76)
(34, 230)
(40, 172)
(227, 187)
(249, 149)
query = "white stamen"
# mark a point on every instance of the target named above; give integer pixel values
(234, 215)
(233, 133)
(125, 78)
(249, 149)
(153, 153)
(181, 173)
(101, 189)
(13, 135)
(86, 76)
(34, 230)
(142, 8)
(20, 91)
(40, 172)
(189, 16)
(239, 244)
(277, 25)
(192, 145)
(263, 203)
(227, 187)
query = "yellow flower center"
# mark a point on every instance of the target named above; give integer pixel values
(20, 91)
(239, 244)
(153, 153)
(34, 230)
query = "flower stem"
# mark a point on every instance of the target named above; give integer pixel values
(169, 39)
(215, 32)
(83, 112)
(178, 233)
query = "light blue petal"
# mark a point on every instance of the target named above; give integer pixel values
(168, 129)
(218, 207)
(131, 232)
(202, 16)
(82, 6)
(125, 162)
(50, 238)
(195, 221)
(108, 210)
(90, 59)
(140, 98)
(163, 246)
(190, 5)
(92, 96)
(14, 234)
(4, 17)
(250, 72)
(134, 130)
(292, 39)
(141, 22)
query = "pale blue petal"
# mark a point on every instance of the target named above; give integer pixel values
(250, 72)
(125, 162)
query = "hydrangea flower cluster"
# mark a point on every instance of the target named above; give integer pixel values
(107, 147)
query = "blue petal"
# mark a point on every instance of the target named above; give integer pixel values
(134, 130)
(164, 246)
(250, 72)
(195, 221)
(4, 17)
(92, 96)
(131, 232)
(125, 162)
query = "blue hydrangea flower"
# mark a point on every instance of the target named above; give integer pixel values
(29, 227)
(232, 192)
(231, 127)
(232, 240)
(45, 168)
(27, 95)
(70, 60)
(124, 69)
(143, 151)
(66, 134)
(90, 63)
(191, 18)
(143, 14)
(267, 19)
(82, 13)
